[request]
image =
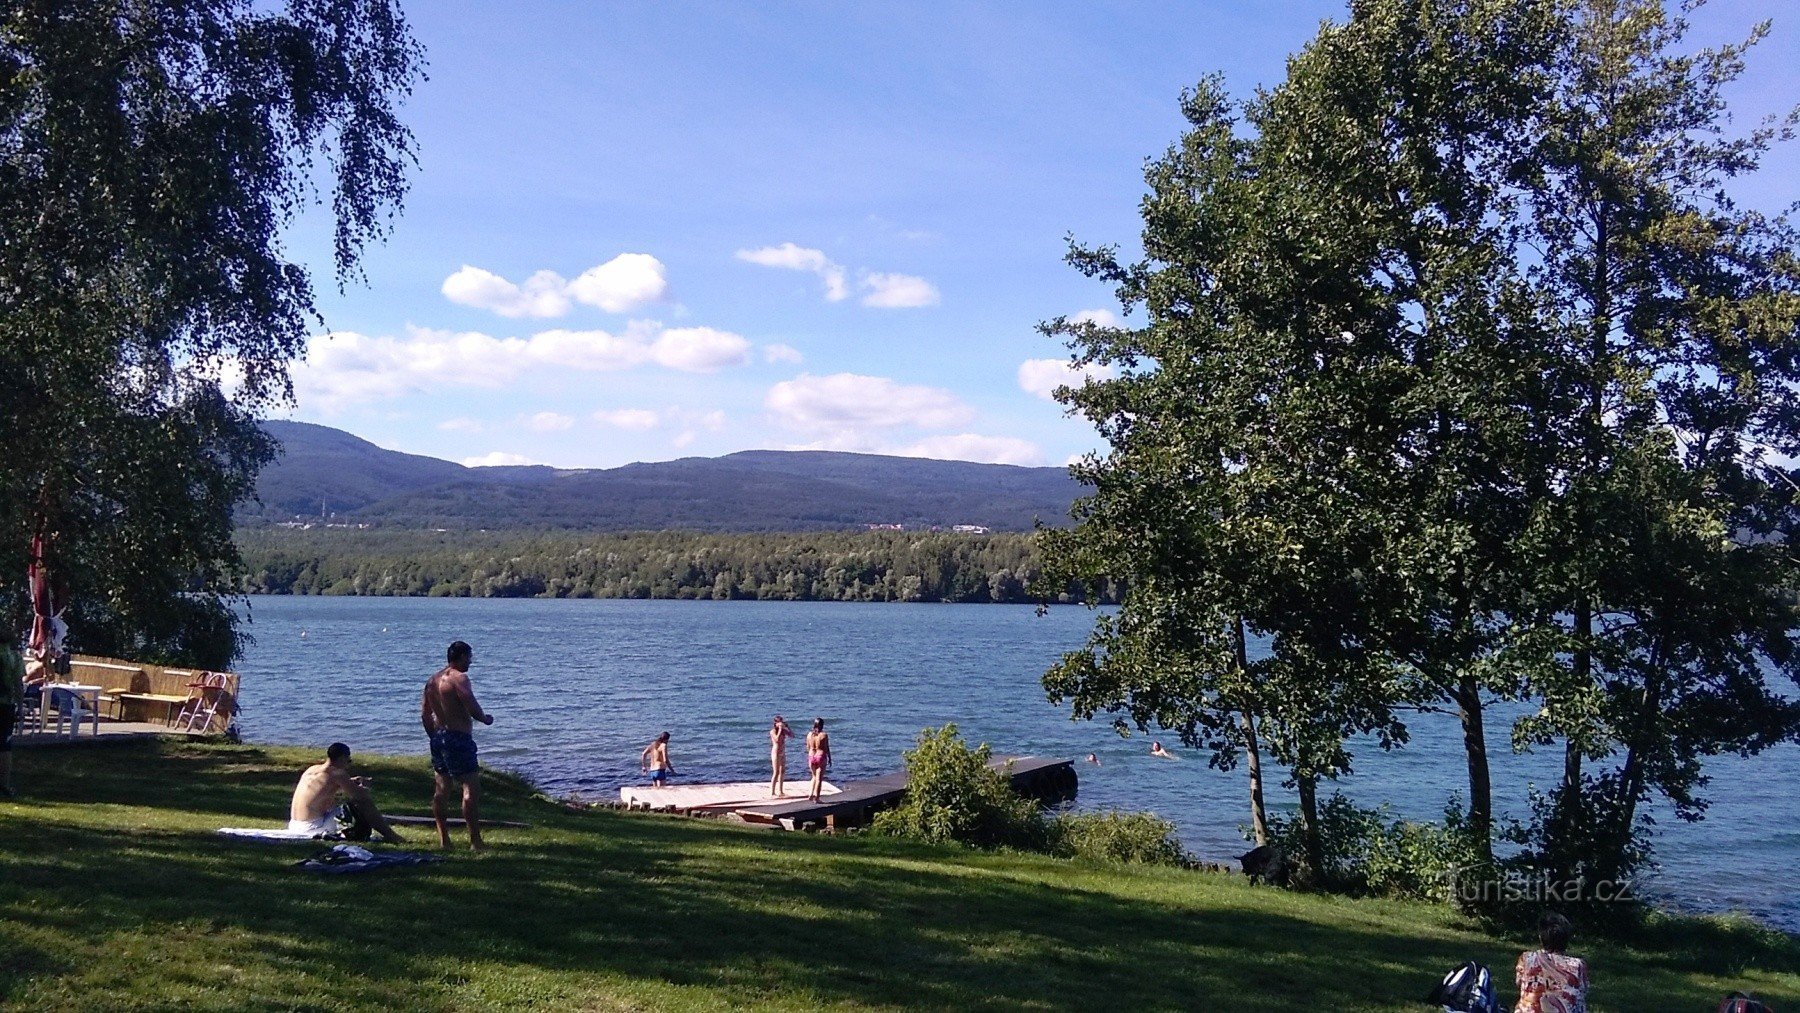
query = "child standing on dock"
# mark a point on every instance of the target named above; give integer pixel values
(779, 734)
(655, 759)
(818, 756)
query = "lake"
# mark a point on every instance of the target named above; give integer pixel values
(579, 686)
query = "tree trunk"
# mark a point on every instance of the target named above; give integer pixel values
(1481, 794)
(1259, 816)
(1308, 783)
(1584, 675)
(1631, 775)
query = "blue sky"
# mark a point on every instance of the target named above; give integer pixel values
(825, 225)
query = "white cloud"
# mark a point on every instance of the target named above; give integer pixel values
(543, 294)
(695, 423)
(628, 418)
(699, 349)
(498, 459)
(460, 425)
(851, 401)
(592, 351)
(800, 258)
(622, 284)
(973, 447)
(347, 368)
(886, 291)
(690, 422)
(549, 422)
(1104, 318)
(1043, 376)
(898, 291)
(782, 353)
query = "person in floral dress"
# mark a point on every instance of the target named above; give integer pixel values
(1551, 981)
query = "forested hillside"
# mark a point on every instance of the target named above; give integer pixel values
(813, 566)
(323, 473)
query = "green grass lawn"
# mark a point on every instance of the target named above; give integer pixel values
(115, 893)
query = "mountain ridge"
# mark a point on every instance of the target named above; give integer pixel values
(331, 475)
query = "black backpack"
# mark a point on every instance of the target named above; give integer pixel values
(1468, 989)
(351, 826)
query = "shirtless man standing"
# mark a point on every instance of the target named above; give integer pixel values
(321, 784)
(448, 713)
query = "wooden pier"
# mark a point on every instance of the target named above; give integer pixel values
(854, 804)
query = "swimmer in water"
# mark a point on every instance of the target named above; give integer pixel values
(1157, 750)
(1095, 760)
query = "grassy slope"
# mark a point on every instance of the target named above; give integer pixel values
(114, 893)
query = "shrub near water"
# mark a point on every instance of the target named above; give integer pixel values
(1367, 851)
(1123, 837)
(953, 795)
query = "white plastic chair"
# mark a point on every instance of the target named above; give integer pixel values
(67, 706)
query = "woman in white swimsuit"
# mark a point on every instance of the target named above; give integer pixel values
(779, 734)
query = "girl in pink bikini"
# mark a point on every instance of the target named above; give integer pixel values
(818, 755)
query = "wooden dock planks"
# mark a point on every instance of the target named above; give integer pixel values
(858, 801)
(685, 797)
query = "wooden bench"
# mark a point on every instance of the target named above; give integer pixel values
(108, 675)
(169, 702)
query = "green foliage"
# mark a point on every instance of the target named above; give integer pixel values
(954, 796)
(1567, 854)
(1127, 838)
(151, 156)
(814, 566)
(1460, 378)
(1367, 851)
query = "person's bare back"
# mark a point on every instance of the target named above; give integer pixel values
(314, 795)
(446, 702)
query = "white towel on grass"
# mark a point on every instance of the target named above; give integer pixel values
(297, 830)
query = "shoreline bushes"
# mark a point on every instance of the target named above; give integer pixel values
(955, 795)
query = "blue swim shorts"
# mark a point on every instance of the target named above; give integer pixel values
(453, 753)
(659, 776)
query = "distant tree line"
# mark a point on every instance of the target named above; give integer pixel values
(811, 566)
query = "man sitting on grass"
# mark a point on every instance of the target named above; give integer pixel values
(313, 810)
